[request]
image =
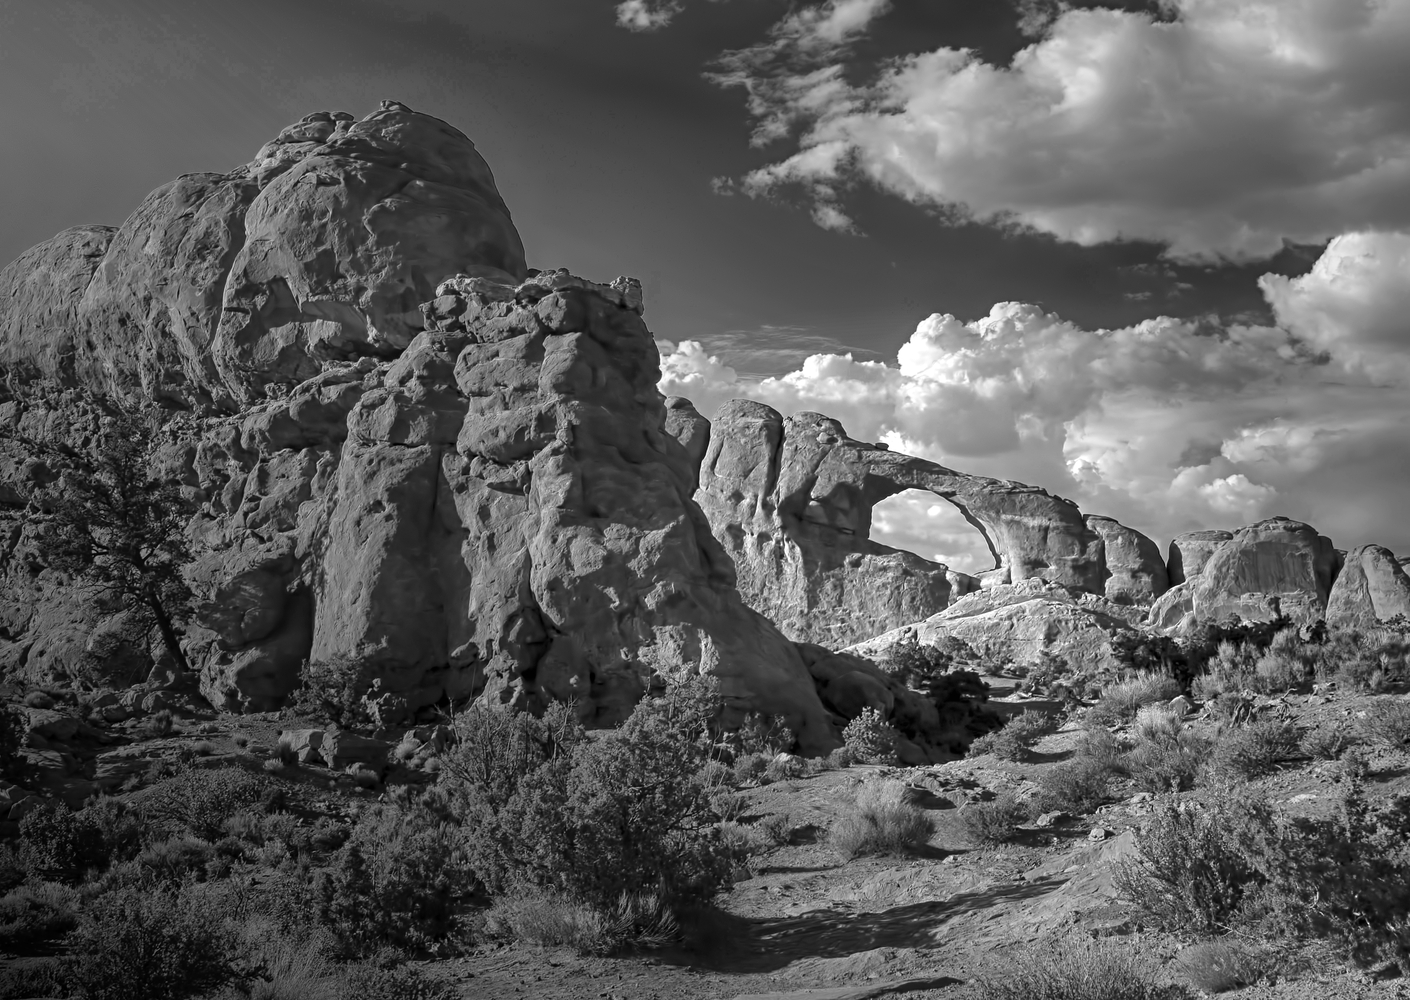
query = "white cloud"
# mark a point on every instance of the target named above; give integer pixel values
(1168, 425)
(647, 15)
(1223, 132)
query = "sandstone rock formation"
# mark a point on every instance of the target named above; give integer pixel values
(1277, 566)
(791, 500)
(409, 451)
(223, 287)
(1371, 587)
(1019, 623)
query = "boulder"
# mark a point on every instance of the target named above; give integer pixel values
(341, 749)
(1135, 571)
(1190, 551)
(1371, 587)
(791, 500)
(1275, 566)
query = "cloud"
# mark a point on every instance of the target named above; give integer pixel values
(1221, 132)
(647, 15)
(1169, 425)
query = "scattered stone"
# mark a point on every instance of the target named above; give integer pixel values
(1099, 833)
(1049, 819)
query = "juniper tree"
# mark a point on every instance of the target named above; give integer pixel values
(101, 514)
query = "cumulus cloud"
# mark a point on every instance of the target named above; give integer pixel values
(1169, 425)
(1221, 132)
(647, 15)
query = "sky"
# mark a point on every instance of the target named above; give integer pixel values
(1153, 256)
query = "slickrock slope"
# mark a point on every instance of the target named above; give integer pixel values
(221, 286)
(791, 501)
(1020, 623)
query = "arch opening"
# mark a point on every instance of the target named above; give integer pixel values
(929, 526)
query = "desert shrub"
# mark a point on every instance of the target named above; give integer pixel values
(400, 880)
(766, 734)
(839, 758)
(776, 827)
(1236, 862)
(1386, 724)
(871, 738)
(784, 767)
(1121, 701)
(1083, 970)
(880, 821)
(47, 977)
(995, 821)
(332, 690)
(176, 857)
(1341, 878)
(1013, 741)
(921, 665)
(1240, 753)
(148, 944)
(35, 913)
(751, 767)
(742, 841)
(1166, 756)
(371, 982)
(1327, 741)
(627, 813)
(1083, 783)
(1190, 871)
(199, 801)
(156, 725)
(496, 747)
(58, 845)
(119, 825)
(554, 920)
(1218, 966)
(1369, 661)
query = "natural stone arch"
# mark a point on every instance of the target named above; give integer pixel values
(931, 527)
(791, 499)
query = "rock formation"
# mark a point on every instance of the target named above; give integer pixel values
(466, 485)
(1019, 623)
(1277, 566)
(221, 288)
(791, 500)
(1371, 587)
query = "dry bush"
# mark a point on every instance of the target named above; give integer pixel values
(1386, 725)
(552, 920)
(1083, 783)
(1166, 756)
(1327, 741)
(1012, 741)
(1121, 701)
(1084, 970)
(35, 913)
(1190, 872)
(880, 821)
(1240, 753)
(1218, 966)
(996, 821)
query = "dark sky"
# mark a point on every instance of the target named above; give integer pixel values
(604, 144)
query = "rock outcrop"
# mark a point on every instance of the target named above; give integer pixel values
(222, 288)
(1371, 587)
(791, 500)
(1020, 623)
(410, 452)
(1277, 566)
(1190, 551)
